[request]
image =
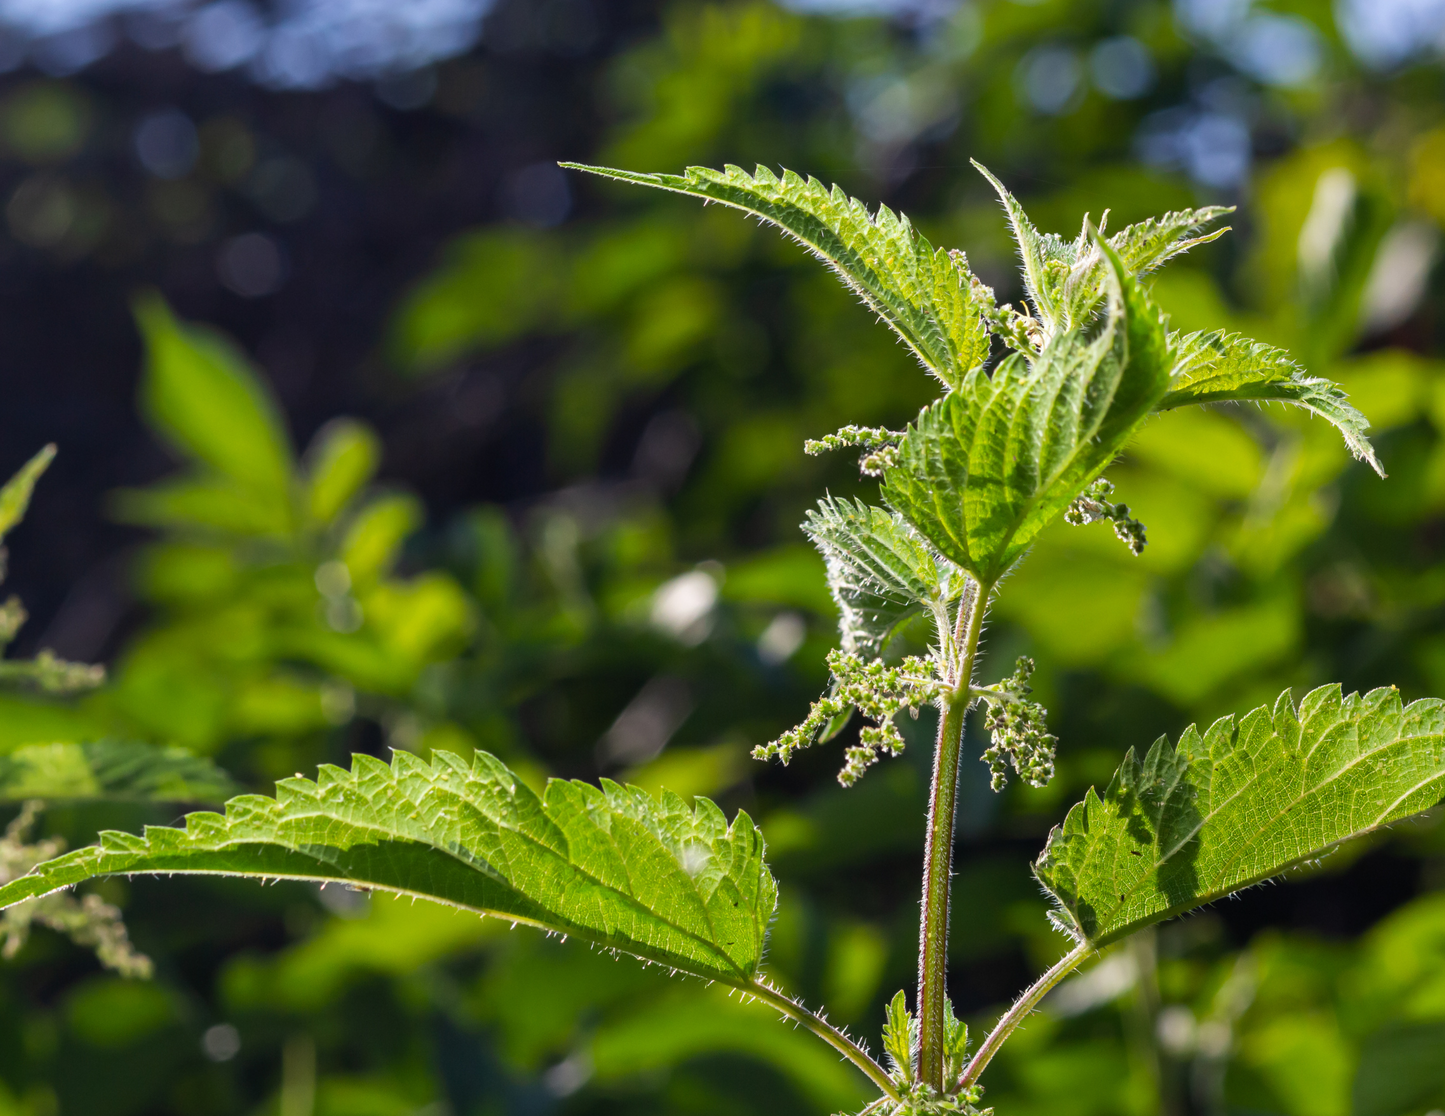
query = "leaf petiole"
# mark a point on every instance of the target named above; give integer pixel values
(1020, 1010)
(825, 1031)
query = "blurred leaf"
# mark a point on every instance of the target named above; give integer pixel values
(1401, 1070)
(378, 935)
(496, 284)
(615, 867)
(15, 496)
(111, 769)
(692, 1022)
(374, 538)
(211, 503)
(201, 394)
(341, 460)
(1238, 805)
(109, 1012)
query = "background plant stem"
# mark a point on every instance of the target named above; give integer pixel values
(938, 855)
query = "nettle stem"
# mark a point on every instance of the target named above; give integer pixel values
(938, 855)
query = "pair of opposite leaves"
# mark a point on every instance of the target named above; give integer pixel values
(978, 475)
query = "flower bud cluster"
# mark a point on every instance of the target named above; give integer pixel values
(1094, 505)
(1019, 729)
(1019, 330)
(878, 691)
(882, 442)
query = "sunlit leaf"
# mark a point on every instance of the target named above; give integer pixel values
(927, 295)
(1066, 280)
(1218, 367)
(1240, 803)
(984, 469)
(613, 866)
(880, 571)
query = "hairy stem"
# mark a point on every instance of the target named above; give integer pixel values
(1016, 1014)
(938, 855)
(825, 1031)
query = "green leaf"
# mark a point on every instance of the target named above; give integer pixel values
(111, 769)
(1401, 1070)
(1065, 280)
(1240, 803)
(880, 571)
(900, 1038)
(927, 295)
(341, 460)
(1220, 367)
(209, 503)
(15, 496)
(200, 393)
(614, 866)
(373, 540)
(987, 467)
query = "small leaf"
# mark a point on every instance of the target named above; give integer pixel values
(613, 866)
(373, 541)
(1065, 280)
(927, 295)
(987, 467)
(900, 1038)
(1240, 803)
(202, 395)
(341, 460)
(955, 1043)
(15, 496)
(880, 571)
(111, 769)
(1219, 367)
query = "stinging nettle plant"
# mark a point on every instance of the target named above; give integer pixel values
(1036, 403)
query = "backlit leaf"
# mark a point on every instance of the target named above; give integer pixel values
(880, 571)
(1066, 280)
(614, 866)
(1219, 367)
(1240, 803)
(927, 295)
(984, 469)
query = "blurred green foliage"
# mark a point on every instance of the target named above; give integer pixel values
(656, 613)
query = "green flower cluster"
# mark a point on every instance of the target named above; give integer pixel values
(1020, 732)
(878, 691)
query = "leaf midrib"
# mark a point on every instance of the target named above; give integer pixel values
(469, 863)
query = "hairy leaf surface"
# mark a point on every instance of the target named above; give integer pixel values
(984, 469)
(1066, 280)
(1218, 367)
(880, 571)
(927, 295)
(614, 866)
(1241, 803)
(111, 769)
